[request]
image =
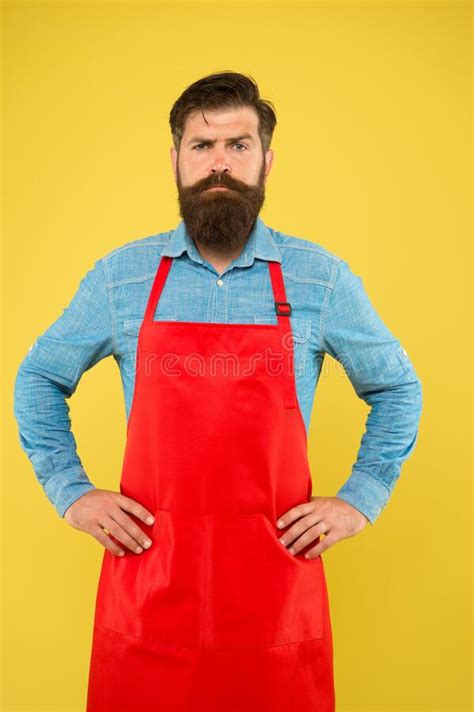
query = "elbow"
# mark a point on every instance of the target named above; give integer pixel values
(418, 394)
(20, 389)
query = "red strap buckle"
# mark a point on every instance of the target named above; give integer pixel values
(283, 308)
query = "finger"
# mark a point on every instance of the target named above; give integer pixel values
(307, 537)
(119, 533)
(295, 513)
(322, 546)
(106, 541)
(134, 531)
(135, 508)
(299, 528)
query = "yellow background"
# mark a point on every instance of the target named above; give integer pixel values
(372, 161)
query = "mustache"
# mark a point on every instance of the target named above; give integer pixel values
(218, 181)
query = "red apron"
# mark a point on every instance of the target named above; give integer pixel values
(217, 615)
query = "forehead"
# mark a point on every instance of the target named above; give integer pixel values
(222, 122)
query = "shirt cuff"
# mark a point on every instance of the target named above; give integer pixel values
(65, 486)
(366, 493)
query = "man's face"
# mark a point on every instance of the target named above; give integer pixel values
(225, 152)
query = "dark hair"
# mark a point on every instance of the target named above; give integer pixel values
(220, 91)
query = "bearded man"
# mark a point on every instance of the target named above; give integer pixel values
(212, 594)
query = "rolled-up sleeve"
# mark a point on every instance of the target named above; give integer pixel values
(48, 376)
(384, 377)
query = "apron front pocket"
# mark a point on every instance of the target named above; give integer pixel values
(155, 596)
(257, 593)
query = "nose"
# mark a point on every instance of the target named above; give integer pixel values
(216, 179)
(220, 162)
(220, 167)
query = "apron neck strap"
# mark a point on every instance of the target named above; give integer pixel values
(282, 307)
(283, 312)
(157, 288)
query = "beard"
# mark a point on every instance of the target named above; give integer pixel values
(221, 219)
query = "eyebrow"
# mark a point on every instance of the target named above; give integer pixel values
(199, 139)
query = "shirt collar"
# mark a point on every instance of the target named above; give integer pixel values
(260, 244)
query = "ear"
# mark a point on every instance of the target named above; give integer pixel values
(174, 160)
(268, 161)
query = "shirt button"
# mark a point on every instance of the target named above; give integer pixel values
(220, 282)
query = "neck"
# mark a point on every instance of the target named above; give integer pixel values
(218, 258)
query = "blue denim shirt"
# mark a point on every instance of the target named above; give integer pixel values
(331, 314)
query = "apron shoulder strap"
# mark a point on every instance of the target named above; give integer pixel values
(157, 288)
(283, 312)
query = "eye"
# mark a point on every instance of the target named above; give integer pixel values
(199, 145)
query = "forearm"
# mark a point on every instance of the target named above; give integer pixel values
(389, 439)
(45, 435)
